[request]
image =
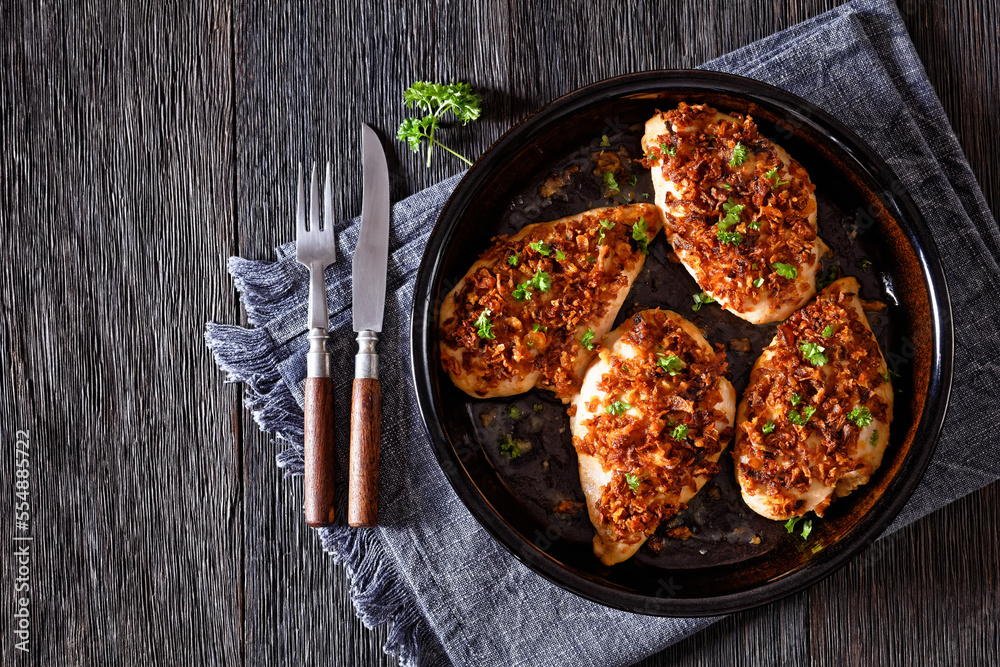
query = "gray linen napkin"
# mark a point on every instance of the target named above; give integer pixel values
(450, 593)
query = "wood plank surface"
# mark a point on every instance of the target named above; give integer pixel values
(144, 143)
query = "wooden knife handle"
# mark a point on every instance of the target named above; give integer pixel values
(320, 452)
(366, 433)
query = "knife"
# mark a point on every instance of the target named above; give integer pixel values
(368, 272)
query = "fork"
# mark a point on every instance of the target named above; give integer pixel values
(316, 249)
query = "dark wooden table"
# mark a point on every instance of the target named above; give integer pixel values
(143, 144)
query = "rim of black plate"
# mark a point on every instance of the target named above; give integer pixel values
(899, 204)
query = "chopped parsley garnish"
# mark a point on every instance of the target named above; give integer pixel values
(669, 150)
(632, 481)
(758, 282)
(633, 180)
(873, 441)
(522, 291)
(732, 217)
(483, 325)
(739, 155)
(617, 408)
(604, 140)
(560, 255)
(827, 278)
(795, 399)
(680, 432)
(785, 270)
(539, 327)
(827, 331)
(512, 260)
(727, 186)
(768, 427)
(591, 259)
(610, 183)
(807, 526)
(588, 339)
(864, 265)
(773, 174)
(542, 248)
(542, 281)
(538, 407)
(605, 225)
(861, 416)
(753, 224)
(813, 353)
(672, 364)
(700, 299)
(514, 412)
(801, 419)
(639, 230)
(510, 447)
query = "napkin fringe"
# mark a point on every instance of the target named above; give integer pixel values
(246, 355)
(263, 287)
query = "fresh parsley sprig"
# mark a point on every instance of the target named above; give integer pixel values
(437, 99)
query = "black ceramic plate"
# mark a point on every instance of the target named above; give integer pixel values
(734, 559)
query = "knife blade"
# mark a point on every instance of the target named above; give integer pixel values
(368, 273)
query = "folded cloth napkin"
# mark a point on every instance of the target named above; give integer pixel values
(450, 593)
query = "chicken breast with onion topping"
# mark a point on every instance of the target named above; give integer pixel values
(814, 421)
(534, 307)
(652, 419)
(739, 212)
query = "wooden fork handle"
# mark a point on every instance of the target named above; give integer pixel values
(319, 455)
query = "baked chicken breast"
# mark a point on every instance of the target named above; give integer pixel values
(652, 419)
(739, 212)
(814, 421)
(534, 307)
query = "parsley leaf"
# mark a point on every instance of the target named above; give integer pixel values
(700, 300)
(732, 217)
(669, 150)
(510, 447)
(758, 282)
(828, 331)
(542, 281)
(512, 260)
(632, 481)
(604, 141)
(514, 412)
(873, 441)
(795, 399)
(539, 327)
(773, 174)
(617, 408)
(538, 407)
(437, 99)
(807, 529)
(542, 248)
(483, 325)
(633, 180)
(680, 432)
(813, 353)
(785, 270)
(861, 416)
(560, 255)
(727, 186)
(610, 183)
(639, 230)
(801, 419)
(768, 427)
(605, 225)
(864, 265)
(672, 364)
(588, 339)
(790, 524)
(827, 278)
(739, 155)
(522, 291)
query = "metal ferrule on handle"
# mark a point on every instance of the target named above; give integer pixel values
(366, 361)
(317, 359)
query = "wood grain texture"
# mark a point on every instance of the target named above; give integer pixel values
(319, 437)
(144, 144)
(366, 440)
